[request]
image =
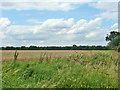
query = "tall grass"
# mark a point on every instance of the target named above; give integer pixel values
(80, 70)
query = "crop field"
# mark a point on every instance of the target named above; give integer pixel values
(60, 69)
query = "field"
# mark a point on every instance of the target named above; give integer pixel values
(60, 69)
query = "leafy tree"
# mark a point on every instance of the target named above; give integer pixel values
(114, 39)
(112, 35)
(74, 45)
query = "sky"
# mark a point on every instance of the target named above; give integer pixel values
(45, 23)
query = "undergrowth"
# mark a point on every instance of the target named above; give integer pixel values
(77, 71)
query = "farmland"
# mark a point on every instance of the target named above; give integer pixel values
(60, 69)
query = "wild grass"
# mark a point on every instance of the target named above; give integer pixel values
(80, 70)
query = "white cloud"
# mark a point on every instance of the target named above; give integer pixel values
(114, 27)
(57, 24)
(53, 5)
(36, 21)
(41, 41)
(103, 5)
(65, 6)
(47, 1)
(91, 34)
(110, 8)
(4, 22)
(55, 32)
(109, 15)
(82, 25)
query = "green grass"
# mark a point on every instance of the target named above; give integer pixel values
(80, 70)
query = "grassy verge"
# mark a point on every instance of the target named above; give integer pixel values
(77, 71)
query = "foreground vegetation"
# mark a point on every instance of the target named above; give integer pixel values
(81, 70)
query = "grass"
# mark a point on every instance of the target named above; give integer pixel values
(25, 55)
(79, 70)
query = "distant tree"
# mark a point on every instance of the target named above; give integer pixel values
(112, 35)
(74, 45)
(114, 39)
(23, 48)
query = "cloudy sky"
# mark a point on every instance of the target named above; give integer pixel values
(45, 23)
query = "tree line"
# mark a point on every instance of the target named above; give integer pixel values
(113, 39)
(74, 47)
